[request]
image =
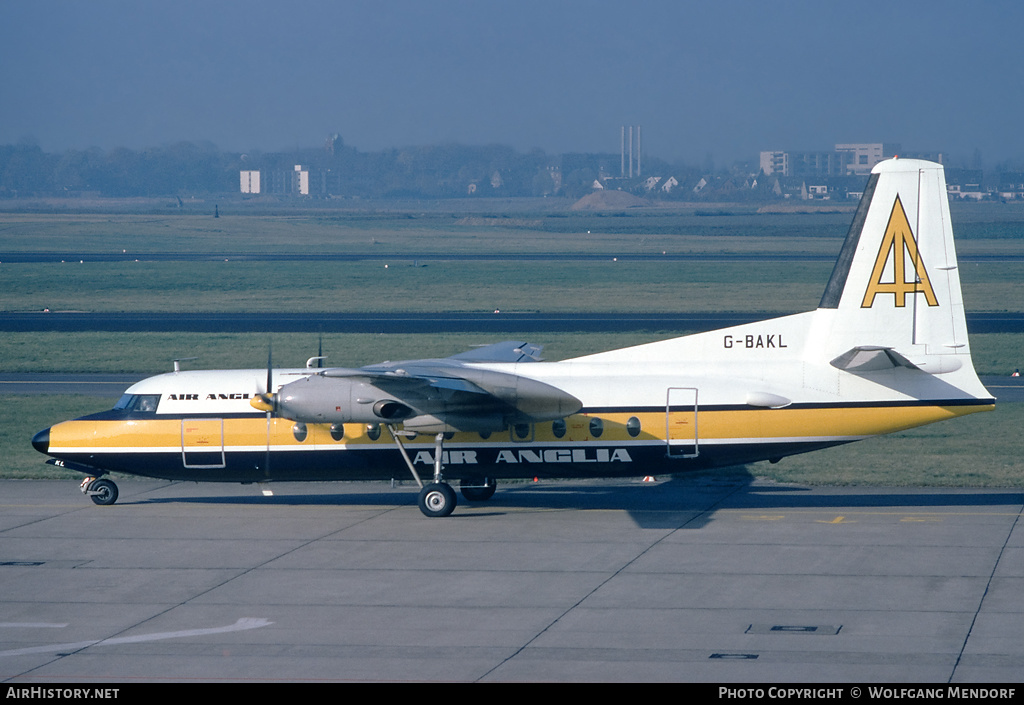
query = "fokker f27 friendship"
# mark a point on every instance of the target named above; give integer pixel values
(885, 350)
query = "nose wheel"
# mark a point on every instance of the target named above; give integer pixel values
(102, 492)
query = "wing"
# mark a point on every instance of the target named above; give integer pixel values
(449, 394)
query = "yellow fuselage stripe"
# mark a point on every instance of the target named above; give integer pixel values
(712, 426)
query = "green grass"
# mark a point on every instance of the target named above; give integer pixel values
(21, 417)
(437, 286)
(399, 231)
(980, 450)
(464, 226)
(152, 353)
(620, 286)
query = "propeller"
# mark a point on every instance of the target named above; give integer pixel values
(267, 400)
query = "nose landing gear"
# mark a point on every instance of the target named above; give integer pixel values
(102, 492)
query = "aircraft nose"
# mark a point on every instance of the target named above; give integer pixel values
(41, 441)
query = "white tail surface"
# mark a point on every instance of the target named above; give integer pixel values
(896, 283)
(892, 315)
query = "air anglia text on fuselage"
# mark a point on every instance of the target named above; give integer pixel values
(525, 455)
(754, 341)
(208, 397)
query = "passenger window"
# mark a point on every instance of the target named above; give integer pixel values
(337, 431)
(299, 430)
(558, 428)
(633, 426)
(596, 427)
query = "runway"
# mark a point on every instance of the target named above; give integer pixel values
(716, 578)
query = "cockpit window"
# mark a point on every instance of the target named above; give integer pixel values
(142, 403)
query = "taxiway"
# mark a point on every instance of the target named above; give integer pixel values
(718, 577)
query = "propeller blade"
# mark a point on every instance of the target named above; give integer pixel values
(270, 368)
(267, 401)
(270, 402)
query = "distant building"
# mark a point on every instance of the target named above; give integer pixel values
(277, 181)
(860, 159)
(844, 160)
(775, 163)
(250, 181)
(965, 184)
(1011, 185)
(301, 182)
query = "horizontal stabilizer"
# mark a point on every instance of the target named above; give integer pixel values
(871, 358)
(507, 351)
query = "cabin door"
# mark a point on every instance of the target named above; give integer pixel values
(202, 443)
(681, 422)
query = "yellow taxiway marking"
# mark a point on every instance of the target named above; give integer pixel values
(921, 517)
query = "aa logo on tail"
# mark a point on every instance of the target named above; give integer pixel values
(899, 245)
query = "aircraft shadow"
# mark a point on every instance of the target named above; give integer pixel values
(685, 502)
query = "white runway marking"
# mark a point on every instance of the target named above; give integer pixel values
(241, 625)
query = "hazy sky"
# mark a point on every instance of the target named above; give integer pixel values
(724, 78)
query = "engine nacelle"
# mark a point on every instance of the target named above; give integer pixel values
(317, 399)
(391, 410)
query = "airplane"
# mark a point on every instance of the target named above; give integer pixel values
(885, 350)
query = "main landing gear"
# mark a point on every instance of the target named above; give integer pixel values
(100, 491)
(476, 491)
(437, 498)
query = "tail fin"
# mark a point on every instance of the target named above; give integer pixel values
(896, 288)
(893, 304)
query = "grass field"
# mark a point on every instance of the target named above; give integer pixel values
(151, 353)
(530, 225)
(620, 286)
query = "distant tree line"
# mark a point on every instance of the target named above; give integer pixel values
(187, 169)
(336, 169)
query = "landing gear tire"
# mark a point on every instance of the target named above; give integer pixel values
(474, 491)
(102, 492)
(437, 499)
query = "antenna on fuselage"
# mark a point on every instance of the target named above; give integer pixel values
(177, 365)
(320, 357)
